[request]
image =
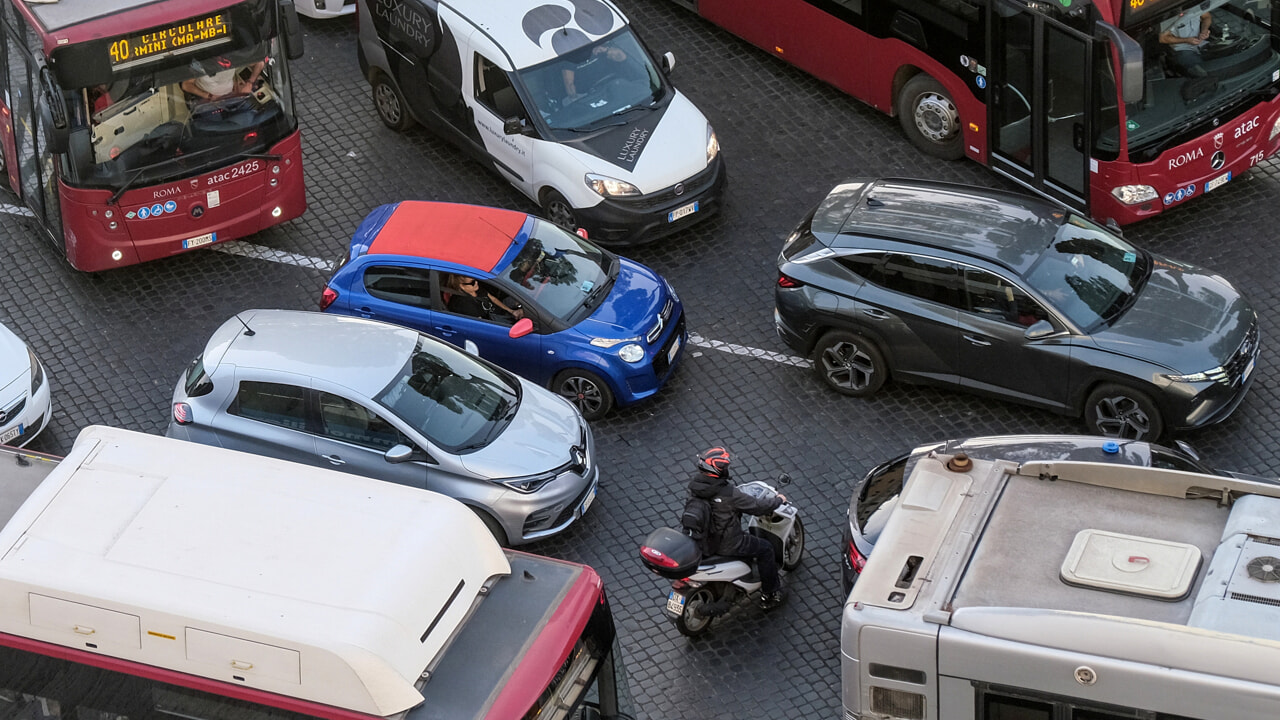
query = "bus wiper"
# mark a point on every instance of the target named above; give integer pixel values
(124, 186)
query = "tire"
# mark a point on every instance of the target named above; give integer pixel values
(494, 527)
(586, 391)
(558, 210)
(1121, 412)
(849, 364)
(930, 119)
(793, 551)
(689, 623)
(390, 105)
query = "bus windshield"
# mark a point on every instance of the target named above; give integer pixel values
(1198, 63)
(154, 124)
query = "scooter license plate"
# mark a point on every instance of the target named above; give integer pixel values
(675, 603)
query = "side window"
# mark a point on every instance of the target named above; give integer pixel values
(925, 278)
(992, 296)
(272, 403)
(495, 91)
(469, 296)
(404, 285)
(865, 265)
(999, 707)
(342, 419)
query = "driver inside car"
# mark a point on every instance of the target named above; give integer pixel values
(603, 61)
(224, 83)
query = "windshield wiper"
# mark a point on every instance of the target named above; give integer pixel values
(124, 187)
(629, 108)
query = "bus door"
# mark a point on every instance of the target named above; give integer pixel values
(33, 164)
(1039, 99)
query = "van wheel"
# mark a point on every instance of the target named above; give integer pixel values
(390, 105)
(849, 364)
(930, 119)
(559, 211)
(494, 528)
(1120, 412)
(586, 391)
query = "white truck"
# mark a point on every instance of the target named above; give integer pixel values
(1067, 590)
(147, 577)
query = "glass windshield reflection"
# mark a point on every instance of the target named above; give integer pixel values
(585, 88)
(558, 271)
(1088, 274)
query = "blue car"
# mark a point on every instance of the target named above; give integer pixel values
(598, 329)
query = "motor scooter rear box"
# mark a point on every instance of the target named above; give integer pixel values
(670, 553)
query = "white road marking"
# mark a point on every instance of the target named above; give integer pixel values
(16, 210)
(250, 250)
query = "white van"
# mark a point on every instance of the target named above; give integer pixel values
(560, 96)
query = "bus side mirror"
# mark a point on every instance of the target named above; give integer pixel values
(667, 63)
(1131, 80)
(53, 112)
(290, 30)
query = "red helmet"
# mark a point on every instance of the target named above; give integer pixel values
(714, 462)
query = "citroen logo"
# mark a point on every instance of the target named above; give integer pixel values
(1218, 160)
(679, 189)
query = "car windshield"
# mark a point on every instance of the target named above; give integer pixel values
(585, 88)
(558, 271)
(454, 400)
(1088, 274)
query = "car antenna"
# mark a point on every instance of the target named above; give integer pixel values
(247, 330)
(500, 231)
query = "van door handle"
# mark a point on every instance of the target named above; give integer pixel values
(334, 459)
(977, 341)
(877, 314)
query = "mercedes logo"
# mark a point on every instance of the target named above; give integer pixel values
(679, 189)
(1218, 160)
(197, 211)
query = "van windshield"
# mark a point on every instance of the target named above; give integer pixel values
(586, 88)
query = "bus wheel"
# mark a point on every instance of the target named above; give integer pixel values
(389, 103)
(930, 119)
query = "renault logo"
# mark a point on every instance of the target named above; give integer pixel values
(679, 189)
(1218, 160)
(579, 457)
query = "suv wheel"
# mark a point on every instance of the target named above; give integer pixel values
(1121, 412)
(849, 364)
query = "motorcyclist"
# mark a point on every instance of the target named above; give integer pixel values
(728, 504)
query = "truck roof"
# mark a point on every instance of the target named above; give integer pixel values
(271, 575)
(1165, 567)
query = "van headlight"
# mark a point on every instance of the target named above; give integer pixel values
(713, 145)
(605, 186)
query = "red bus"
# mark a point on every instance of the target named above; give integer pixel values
(1107, 106)
(137, 129)
(147, 578)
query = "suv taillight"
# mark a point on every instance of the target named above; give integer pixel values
(327, 298)
(788, 282)
(182, 413)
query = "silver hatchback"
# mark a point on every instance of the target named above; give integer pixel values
(390, 403)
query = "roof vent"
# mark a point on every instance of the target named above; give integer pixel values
(1264, 569)
(874, 202)
(1158, 569)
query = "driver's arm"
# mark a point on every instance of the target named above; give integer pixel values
(192, 88)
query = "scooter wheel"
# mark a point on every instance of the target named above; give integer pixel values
(793, 549)
(691, 622)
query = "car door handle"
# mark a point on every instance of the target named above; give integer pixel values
(877, 314)
(977, 341)
(366, 312)
(334, 459)
(445, 330)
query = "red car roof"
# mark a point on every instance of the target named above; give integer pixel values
(463, 234)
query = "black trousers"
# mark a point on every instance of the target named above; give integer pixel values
(759, 549)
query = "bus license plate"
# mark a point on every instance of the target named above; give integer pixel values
(10, 434)
(675, 348)
(675, 603)
(1217, 182)
(205, 239)
(678, 213)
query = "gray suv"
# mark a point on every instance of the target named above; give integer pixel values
(1013, 297)
(393, 404)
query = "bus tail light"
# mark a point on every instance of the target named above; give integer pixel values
(182, 413)
(327, 297)
(1134, 194)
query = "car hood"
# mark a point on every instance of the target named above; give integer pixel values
(1185, 318)
(538, 439)
(633, 303)
(14, 362)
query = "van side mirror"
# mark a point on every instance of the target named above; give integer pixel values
(513, 126)
(290, 30)
(523, 327)
(1039, 329)
(667, 63)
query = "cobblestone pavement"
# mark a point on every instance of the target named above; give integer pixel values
(116, 342)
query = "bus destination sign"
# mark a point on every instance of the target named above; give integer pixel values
(183, 37)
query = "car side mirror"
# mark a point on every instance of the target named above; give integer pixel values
(398, 454)
(1039, 329)
(667, 63)
(523, 327)
(1114, 227)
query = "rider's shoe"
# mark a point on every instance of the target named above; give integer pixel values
(769, 601)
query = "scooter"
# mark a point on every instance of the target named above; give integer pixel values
(707, 587)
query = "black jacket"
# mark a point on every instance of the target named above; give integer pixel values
(728, 504)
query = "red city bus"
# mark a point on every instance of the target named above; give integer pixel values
(1100, 104)
(137, 129)
(145, 578)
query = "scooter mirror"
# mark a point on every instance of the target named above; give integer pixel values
(784, 479)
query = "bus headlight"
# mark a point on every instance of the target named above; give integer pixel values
(1275, 128)
(605, 186)
(1134, 194)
